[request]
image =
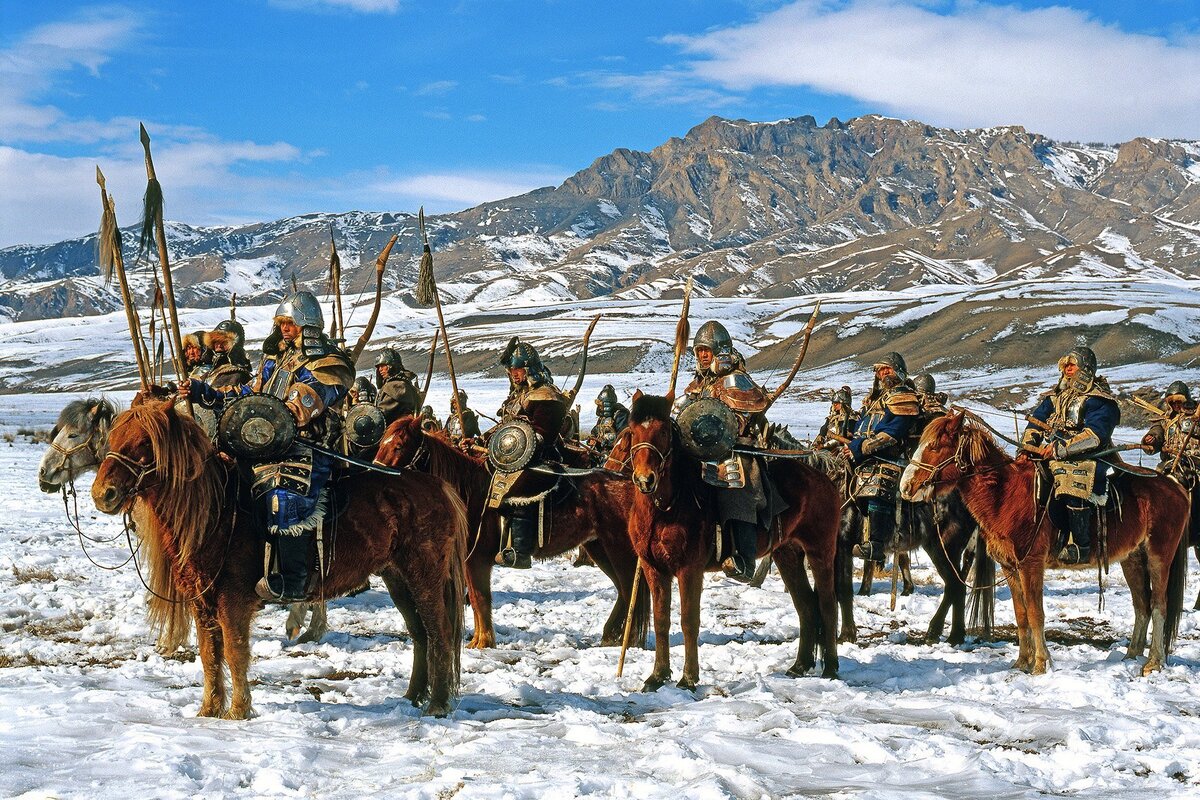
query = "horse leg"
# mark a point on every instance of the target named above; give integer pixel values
(868, 577)
(439, 656)
(1137, 576)
(479, 590)
(790, 560)
(1159, 572)
(318, 626)
(905, 562)
(614, 627)
(826, 595)
(844, 590)
(691, 585)
(1032, 578)
(235, 621)
(1024, 647)
(1196, 548)
(418, 683)
(954, 595)
(210, 647)
(660, 597)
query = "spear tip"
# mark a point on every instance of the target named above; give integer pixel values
(144, 135)
(99, 176)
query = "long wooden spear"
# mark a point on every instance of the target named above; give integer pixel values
(380, 263)
(682, 333)
(111, 258)
(337, 326)
(808, 329)
(426, 293)
(429, 368)
(153, 220)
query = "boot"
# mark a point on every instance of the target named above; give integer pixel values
(879, 530)
(522, 540)
(1078, 547)
(290, 583)
(740, 565)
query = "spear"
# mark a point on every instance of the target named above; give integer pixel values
(426, 292)
(429, 368)
(808, 329)
(380, 263)
(153, 220)
(335, 279)
(109, 244)
(682, 332)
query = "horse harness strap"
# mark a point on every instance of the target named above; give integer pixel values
(137, 469)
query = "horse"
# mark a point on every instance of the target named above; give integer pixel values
(593, 516)
(1146, 532)
(206, 548)
(673, 528)
(78, 443)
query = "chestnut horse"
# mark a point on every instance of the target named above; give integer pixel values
(673, 527)
(592, 517)
(200, 535)
(1146, 532)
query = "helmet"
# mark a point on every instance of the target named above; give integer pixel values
(924, 383)
(364, 389)
(713, 335)
(1081, 356)
(843, 396)
(522, 355)
(233, 327)
(390, 357)
(896, 362)
(303, 309)
(462, 398)
(1179, 388)
(606, 401)
(427, 411)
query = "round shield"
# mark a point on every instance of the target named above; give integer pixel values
(512, 446)
(365, 425)
(257, 426)
(708, 428)
(205, 417)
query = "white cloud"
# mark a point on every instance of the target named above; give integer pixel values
(465, 189)
(360, 6)
(1054, 70)
(436, 88)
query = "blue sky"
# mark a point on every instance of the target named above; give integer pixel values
(265, 108)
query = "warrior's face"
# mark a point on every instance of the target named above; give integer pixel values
(383, 371)
(192, 354)
(518, 375)
(837, 408)
(1070, 370)
(883, 372)
(1175, 402)
(220, 347)
(704, 357)
(289, 329)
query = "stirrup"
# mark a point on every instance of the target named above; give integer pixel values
(263, 590)
(1072, 553)
(737, 569)
(508, 557)
(866, 551)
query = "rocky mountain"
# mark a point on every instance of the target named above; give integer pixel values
(764, 209)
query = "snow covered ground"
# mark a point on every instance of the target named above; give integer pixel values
(88, 709)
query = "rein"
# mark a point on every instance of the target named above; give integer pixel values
(662, 464)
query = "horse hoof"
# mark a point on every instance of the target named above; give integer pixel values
(906, 593)
(292, 633)
(210, 711)
(1151, 667)
(438, 709)
(654, 684)
(238, 713)
(830, 672)
(687, 683)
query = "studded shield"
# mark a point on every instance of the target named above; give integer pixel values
(258, 427)
(708, 428)
(365, 425)
(512, 446)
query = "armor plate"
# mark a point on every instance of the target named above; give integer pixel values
(365, 425)
(257, 426)
(513, 445)
(708, 428)
(205, 418)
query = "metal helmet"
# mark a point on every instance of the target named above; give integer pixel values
(1081, 356)
(896, 362)
(843, 396)
(606, 401)
(364, 389)
(232, 326)
(303, 309)
(462, 398)
(713, 335)
(924, 383)
(1179, 388)
(389, 357)
(523, 356)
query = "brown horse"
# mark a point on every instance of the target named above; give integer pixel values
(205, 545)
(592, 517)
(1146, 532)
(673, 528)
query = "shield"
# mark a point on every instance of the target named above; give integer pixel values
(258, 427)
(365, 425)
(513, 445)
(708, 428)
(205, 417)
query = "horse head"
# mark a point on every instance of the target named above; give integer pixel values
(949, 449)
(77, 443)
(153, 445)
(401, 443)
(651, 436)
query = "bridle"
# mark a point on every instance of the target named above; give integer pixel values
(658, 472)
(958, 459)
(136, 469)
(68, 452)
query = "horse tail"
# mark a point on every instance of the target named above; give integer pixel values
(1176, 585)
(169, 617)
(983, 589)
(456, 582)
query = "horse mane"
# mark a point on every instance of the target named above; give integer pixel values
(97, 412)
(648, 407)
(191, 485)
(462, 471)
(979, 445)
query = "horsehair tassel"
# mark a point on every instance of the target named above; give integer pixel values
(426, 288)
(682, 333)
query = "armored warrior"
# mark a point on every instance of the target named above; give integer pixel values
(363, 391)
(534, 399)
(398, 393)
(1074, 419)
(230, 365)
(889, 413)
(1172, 436)
(612, 417)
(197, 357)
(932, 403)
(470, 422)
(302, 367)
(747, 502)
(429, 422)
(840, 423)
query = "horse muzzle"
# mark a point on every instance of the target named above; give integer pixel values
(110, 500)
(646, 484)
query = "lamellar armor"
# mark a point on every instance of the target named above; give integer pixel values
(1176, 437)
(840, 423)
(470, 421)
(612, 417)
(398, 395)
(888, 415)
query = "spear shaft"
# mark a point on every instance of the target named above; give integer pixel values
(118, 259)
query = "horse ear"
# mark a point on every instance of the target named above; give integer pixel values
(637, 393)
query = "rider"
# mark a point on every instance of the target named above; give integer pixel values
(532, 397)
(1172, 436)
(746, 502)
(470, 422)
(363, 391)
(230, 365)
(197, 357)
(1073, 419)
(612, 417)
(889, 412)
(398, 393)
(428, 421)
(840, 422)
(311, 374)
